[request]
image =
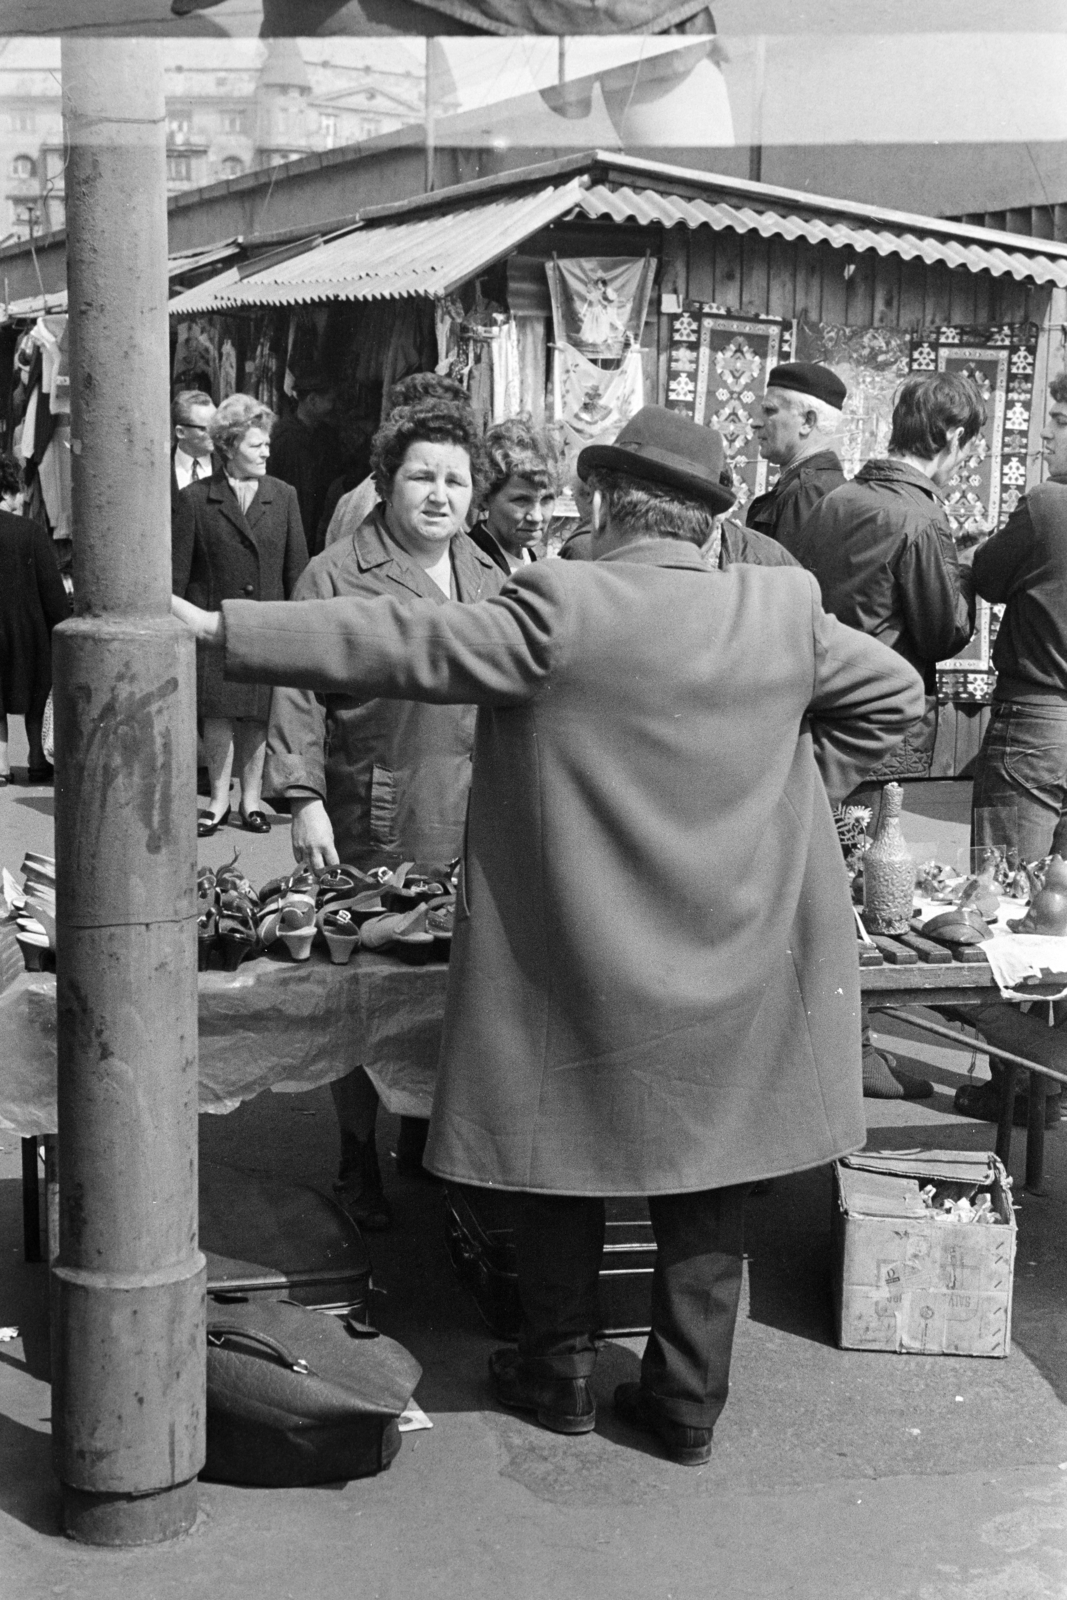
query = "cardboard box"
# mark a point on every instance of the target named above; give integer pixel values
(906, 1282)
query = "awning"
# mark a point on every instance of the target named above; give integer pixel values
(436, 250)
(427, 256)
(178, 266)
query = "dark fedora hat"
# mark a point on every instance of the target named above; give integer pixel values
(667, 448)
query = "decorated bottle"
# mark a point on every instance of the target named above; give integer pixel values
(888, 870)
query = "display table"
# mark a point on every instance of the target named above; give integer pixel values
(287, 1026)
(272, 1024)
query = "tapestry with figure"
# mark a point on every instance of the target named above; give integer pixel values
(599, 303)
(717, 366)
(592, 403)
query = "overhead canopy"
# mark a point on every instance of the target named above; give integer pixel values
(430, 245)
(187, 263)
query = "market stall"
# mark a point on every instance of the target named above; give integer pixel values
(581, 289)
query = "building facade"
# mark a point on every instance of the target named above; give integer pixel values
(292, 98)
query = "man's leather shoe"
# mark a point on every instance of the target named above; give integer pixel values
(690, 1447)
(565, 1405)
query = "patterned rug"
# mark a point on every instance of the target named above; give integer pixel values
(992, 476)
(872, 362)
(717, 367)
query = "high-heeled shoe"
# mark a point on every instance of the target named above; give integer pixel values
(340, 932)
(255, 821)
(208, 825)
(296, 930)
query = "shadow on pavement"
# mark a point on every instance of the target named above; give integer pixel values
(43, 804)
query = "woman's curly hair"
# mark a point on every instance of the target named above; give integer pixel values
(235, 416)
(516, 449)
(10, 474)
(436, 422)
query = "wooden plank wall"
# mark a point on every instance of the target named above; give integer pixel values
(780, 278)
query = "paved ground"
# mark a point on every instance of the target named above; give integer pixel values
(836, 1474)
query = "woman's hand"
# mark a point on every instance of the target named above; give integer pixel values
(312, 834)
(208, 626)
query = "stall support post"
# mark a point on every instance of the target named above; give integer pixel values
(128, 1343)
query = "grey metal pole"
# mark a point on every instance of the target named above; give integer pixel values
(128, 1282)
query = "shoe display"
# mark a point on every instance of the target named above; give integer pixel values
(565, 1405)
(689, 1447)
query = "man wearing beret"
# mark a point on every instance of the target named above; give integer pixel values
(653, 987)
(801, 413)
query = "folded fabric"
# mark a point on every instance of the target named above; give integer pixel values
(1014, 957)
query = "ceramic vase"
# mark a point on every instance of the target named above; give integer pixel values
(888, 870)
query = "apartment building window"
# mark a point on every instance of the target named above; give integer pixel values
(178, 128)
(23, 167)
(23, 121)
(232, 167)
(180, 169)
(233, 122)
(329, 123)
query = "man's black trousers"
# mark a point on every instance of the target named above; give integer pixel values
(559, 1242)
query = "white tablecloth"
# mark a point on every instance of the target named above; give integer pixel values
(272, 1024)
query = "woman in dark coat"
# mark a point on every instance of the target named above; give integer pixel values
(236, 535)
(32, 601)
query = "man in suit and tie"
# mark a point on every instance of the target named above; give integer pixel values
(191, 412)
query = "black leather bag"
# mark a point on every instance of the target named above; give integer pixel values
(296, 1396)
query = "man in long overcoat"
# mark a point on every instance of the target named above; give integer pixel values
(654, 987)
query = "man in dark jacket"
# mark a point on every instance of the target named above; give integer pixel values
(1020, 783)
(801, 413)
(882, 551)
(306, 452)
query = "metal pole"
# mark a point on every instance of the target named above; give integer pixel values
(430, 140)
(129, 1280)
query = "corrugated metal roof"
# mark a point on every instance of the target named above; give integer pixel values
(649, 206)
(56, 304)
(433, 253)
(426, 256)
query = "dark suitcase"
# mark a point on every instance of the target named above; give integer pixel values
(478, 1232)
(272, 1240)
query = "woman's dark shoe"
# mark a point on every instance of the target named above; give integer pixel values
(207, 825)
(358, 1186)
(689, 1447)
(565, 1405)
(255, 822)
(45, 774)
